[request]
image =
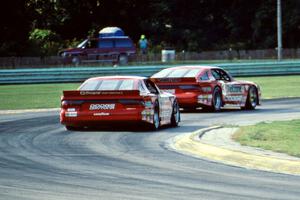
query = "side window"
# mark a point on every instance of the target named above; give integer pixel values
(151, 87)
(216, 74)
(92, 43)
(220, 75)
(142, 89)
(204, 77)
(105, 44)
(123, 43)
(225, 76)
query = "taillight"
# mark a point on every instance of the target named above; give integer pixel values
(68, 103)
(190, 88)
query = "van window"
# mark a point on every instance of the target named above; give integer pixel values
(123, 43)
(105, 44)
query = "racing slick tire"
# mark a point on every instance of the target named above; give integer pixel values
(72, 128)
(123, 59)
(156, 119)
(216, 102)
(175, 118)
(252, 99)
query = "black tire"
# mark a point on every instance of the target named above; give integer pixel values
(76, 60)
(189, 109)
(175, 118)
(252, 99)
(72, 128)
(156, 119)
(123, 59)
(216, 102)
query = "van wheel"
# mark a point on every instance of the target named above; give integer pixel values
(76, 60)
(123, 59)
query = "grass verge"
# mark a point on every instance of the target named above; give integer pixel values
(30, 96)
(282, 136)
(277, 86)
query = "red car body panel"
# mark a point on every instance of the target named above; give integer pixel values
(195, 89)
(97, 106)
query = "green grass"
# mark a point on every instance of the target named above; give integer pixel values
(31, 96)
(283, 136)
(277, 86)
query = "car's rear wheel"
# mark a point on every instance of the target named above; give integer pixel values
(175, 118)
(72, 128)
(216, 102)
(156, 120)
(252, 99)
(123, 59)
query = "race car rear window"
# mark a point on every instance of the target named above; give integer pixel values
(127, 85)
(177, 73)
(162, 73)
(192, 73)
(89, 85)
(108, 85)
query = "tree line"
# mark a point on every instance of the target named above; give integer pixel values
(42, 27)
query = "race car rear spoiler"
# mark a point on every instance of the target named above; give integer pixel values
(103, 94)
(174, 80)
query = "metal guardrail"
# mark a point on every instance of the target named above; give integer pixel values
(78, 74)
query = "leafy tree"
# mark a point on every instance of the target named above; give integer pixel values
(44, 41)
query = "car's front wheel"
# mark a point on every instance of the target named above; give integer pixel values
(252, 99)
(175, 118)
(76, 60)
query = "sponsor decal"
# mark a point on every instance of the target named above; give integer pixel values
(102, 106)
(234, 98)
(206, 89)
(71, 114)
(100, 92)
(171, 91)
(71, 109)
(101, 114)
(171, 80)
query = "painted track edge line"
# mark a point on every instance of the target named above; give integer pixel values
(190, 144)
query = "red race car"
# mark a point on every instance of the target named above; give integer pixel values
(208, 87)
(118, 99)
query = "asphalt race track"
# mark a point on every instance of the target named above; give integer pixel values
(39, 159)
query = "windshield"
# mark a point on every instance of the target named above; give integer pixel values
(82, 44)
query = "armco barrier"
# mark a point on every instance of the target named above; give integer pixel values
(78, 74)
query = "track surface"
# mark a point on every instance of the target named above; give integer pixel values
(40, 160)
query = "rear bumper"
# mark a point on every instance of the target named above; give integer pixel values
(102, 118)
(193, 99)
